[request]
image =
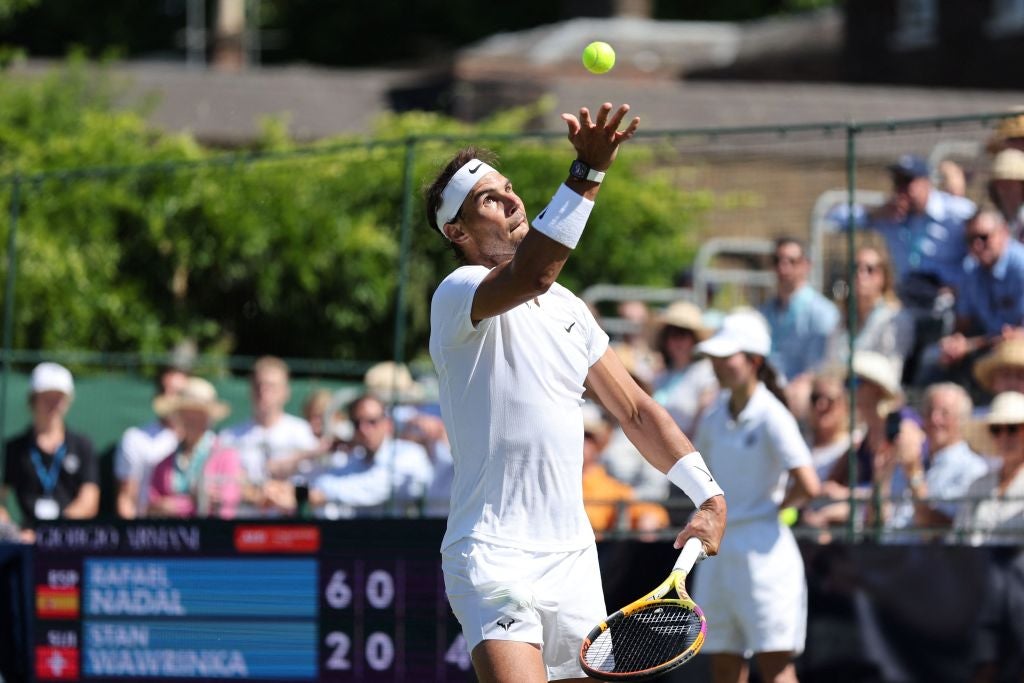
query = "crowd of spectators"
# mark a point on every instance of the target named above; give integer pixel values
(934, 323)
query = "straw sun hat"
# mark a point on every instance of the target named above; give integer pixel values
(1008, 354)
(197, 394)
(684, 315)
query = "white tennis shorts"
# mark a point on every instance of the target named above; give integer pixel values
(754, 592)
(549, 598)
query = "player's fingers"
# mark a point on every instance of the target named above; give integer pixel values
(602, 115)
(572, 123)
(616, 119)
(585, 117)
(630, 131)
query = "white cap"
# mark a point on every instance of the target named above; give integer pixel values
(742, 331)
(51, 377)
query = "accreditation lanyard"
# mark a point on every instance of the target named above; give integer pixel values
(48, 476)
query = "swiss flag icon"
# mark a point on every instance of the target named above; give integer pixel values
(56, 663)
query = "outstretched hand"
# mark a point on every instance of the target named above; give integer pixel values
(597, 140)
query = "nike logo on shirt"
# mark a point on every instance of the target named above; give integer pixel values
(569, 329)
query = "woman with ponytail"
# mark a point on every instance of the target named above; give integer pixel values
(754, 592)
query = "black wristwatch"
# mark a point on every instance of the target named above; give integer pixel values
(581, 171)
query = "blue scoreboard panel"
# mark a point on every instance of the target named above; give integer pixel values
(246, 600)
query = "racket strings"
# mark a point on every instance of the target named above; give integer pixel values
(653, 635)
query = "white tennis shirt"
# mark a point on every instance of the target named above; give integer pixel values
(511, 395)
(751, 455)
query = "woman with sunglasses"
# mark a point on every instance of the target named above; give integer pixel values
(995, 504)
(881, 324)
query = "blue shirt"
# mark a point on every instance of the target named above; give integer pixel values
(801, 331)
(929, 243)
(952, 471)
(993, 297)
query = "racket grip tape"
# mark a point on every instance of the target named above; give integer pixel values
(692, 551)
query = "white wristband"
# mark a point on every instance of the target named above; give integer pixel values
(564, 217)
(694, 478)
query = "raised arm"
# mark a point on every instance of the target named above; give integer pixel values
(663, 444)
(539, 258)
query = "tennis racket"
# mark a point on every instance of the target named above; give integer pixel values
(652, 635)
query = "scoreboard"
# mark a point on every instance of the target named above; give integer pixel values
(211, 600)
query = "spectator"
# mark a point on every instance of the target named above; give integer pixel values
(645, 360)
(51, 470)
(923, 228)
(687, 384)
(378, 469)
(932, 494)
(990, 306)
(1009, 134)
(881, 325)
(313, 409)
(952, 178)
(1002, 369)
(996, 500)
(141, 448)
(803, 323)
(1006, 189)
(604, 496)
(201, 476)
(878, 394)
(272, 443)
(829, 422)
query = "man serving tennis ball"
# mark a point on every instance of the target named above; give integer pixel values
(514, 351)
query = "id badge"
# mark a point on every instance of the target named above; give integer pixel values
(47, 509)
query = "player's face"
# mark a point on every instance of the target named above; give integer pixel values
(494, 219)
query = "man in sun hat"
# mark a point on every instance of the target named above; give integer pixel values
(1002, 369)
(51, 470)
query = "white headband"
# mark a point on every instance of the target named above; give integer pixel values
(454, 193)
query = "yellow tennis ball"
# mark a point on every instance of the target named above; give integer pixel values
(598, 57)
(788, 516)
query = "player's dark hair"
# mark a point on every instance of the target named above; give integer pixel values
(770, 377)
(432, 193)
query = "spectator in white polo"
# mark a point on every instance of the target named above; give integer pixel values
(50, 469)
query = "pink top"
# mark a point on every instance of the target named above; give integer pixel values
(208, 484)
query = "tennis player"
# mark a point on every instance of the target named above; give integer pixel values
(514, 352)
(755, 600)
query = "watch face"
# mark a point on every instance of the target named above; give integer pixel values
(578, 170)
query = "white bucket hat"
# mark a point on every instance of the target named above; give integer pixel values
(742, 331)
(878, 369)
(1007, 409)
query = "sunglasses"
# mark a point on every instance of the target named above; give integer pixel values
(979, 237)
(828, 400)
(788, 260)
(369, 421)
(999, 430)
(869, 268)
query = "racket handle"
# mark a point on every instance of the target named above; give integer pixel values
(692, 551)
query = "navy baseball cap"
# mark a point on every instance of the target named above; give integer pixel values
(910, 166)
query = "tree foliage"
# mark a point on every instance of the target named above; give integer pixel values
(288, 250)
